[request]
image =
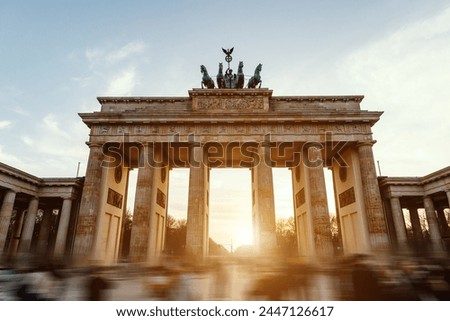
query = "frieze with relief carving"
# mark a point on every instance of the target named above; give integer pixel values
(231, 128)
(228, 104)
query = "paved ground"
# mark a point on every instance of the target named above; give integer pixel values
(230, 282)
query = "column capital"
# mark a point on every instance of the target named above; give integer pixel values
(12, 190)
(428, 197)
(361, 143)
(92, 144)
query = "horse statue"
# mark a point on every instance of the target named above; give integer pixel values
(220, 81)
(240, 76)
(256, 79)
(206, 79)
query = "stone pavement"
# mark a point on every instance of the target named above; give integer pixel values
(127, 283)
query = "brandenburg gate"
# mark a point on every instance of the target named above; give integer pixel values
(229, 127)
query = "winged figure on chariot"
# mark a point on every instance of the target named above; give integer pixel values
(228, 79)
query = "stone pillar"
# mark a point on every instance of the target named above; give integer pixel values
(376, 223)
(442, 220)
(150, 207)
(263, 205)
(415, 224)
(319, 206)
(448, 197)
(5, 217)
(15, 237)
(197, 238)
(122, 253)
(89, 207)
(435, 235)
(44, 231)
(63, 227)
(143, 209)
(399, 223)
(160, 204)
(28, 227)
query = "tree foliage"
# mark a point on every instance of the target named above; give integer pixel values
(175, 236)
(286, 236)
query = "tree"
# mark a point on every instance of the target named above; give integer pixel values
(126, 235)
(175, 236)
(286, 236)
(335, 237)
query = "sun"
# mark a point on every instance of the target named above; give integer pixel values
(242, 235)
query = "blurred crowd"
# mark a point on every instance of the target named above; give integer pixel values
(360, 277)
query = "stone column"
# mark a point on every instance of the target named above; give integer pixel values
(63, 227)
(143, 210)
(319, 206)
(160, 203)
(399, 223)
(5, 217)
(28, 227)
(435, 235)
(442, 220)
(44, 232)
(415, 224)
(89, 207)
(448, 197)
(263, 205)
(122, 254)
(197, 239)
(376, 223)
(17, 230)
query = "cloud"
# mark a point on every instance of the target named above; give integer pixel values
(56, 147)
(27, 140)
(410, 61)
(102, 55)
(406, 74)
(126, 51)
(123, 83)
(9, 100)
(21, 163)
(51, 126)
(4, 124)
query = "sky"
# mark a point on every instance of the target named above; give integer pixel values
(57, 57)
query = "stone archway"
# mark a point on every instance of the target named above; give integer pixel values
(230, 128)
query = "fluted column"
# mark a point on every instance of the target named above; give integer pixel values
(415, 224)
(263, 205)
(435, 235)
(63, 228)
(399, 222)
(372, 199)
(28, 227)
(197, 238)
(89, 207)
(5, 217)
(143, 209)
(319, 206)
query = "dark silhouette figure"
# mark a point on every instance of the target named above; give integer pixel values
(96, 287)
(24, 293)
(365, 283)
